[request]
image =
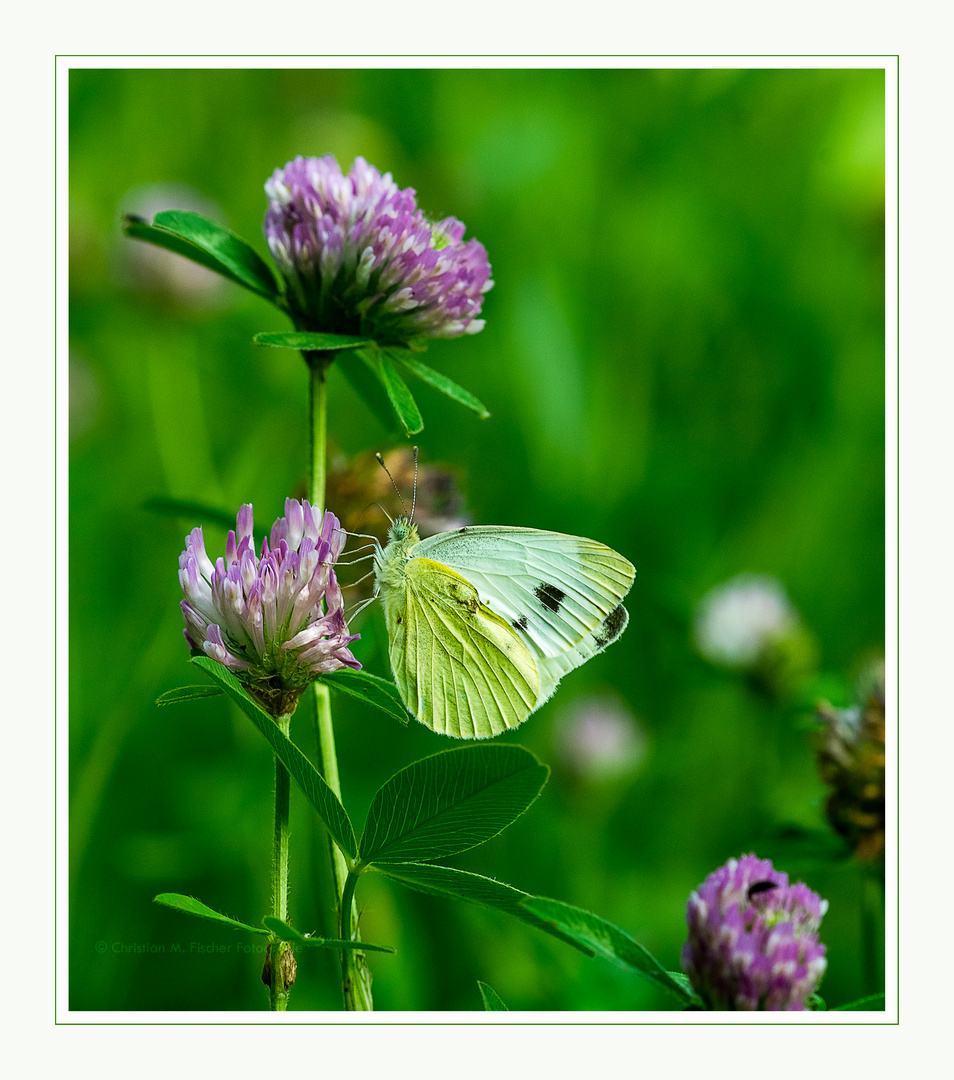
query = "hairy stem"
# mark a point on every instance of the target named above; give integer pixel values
(355, 977)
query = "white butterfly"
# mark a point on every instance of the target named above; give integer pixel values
(485, 620)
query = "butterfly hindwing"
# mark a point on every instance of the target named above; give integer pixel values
(460, 667)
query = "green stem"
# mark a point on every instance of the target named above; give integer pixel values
(347, 901)
(355, 977)
(278, 991)
(318, 363)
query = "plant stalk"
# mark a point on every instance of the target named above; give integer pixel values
(278, 991)
(355, 977)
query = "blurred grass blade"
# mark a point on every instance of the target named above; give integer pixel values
(872, 1003)
(608, 941)
(190, 511)
(492, 1002)
(306, 342)
(284, 932)
(191, 906)
(450, 802)
(372, 689)
(461, 885)
(234, 257)
(305, 775)
(401, 398)
(187, 693)
(441, 382)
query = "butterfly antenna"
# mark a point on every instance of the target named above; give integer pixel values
(394, 485)
(414, 496)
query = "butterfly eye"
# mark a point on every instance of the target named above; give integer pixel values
(760, 887)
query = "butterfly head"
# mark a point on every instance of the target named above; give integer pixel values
(403, 532)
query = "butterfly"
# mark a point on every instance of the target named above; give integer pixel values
(483, 621)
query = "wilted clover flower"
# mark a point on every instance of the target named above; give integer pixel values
(276, 620)
(850, 750)
(753, 938)
(360, 489)
(359, 257)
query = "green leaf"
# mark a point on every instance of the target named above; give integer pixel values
(683, 980)
(191, 906)
(606, 940)
(492, 1002)
(305, 775)
(375, 691)
(235, 257)
(139, 229)
(461, 885)
(450, 802)
(187, 693)
(872, 1003)
(284, 932)
(397, 390)
(307, 342)
(184, 508)
(441, 382)
(224, 263)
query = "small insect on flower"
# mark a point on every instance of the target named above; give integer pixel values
(275, 620)
(753, 939)
(483, 621)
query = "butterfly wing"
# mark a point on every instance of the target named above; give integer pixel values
(461, 669)
(561, 593)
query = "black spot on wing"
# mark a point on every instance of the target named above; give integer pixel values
(521, 623)
(549, 595)
(611, 628)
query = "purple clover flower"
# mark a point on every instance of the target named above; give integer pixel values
(359, 257)
(275, 621)
(753, 938)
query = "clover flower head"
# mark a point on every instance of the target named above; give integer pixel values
(359, 257)
(736, 620)
(753, 939)
(275, 620)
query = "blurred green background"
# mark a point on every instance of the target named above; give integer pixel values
(684, 358)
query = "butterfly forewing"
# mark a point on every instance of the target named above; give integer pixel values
(460, 667)
(557, 591)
